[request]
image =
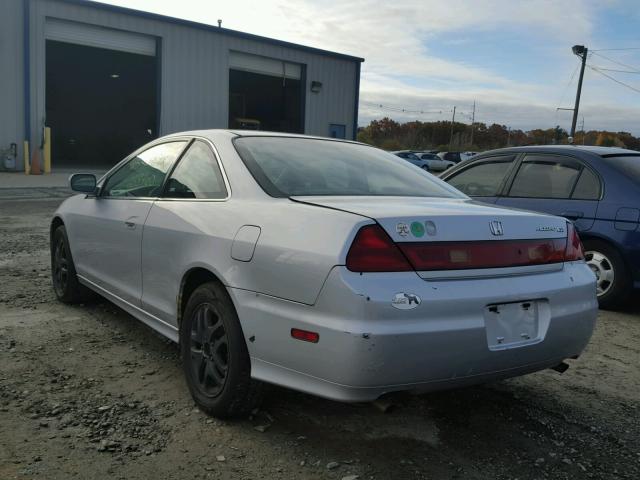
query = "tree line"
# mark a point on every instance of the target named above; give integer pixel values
(391, 135)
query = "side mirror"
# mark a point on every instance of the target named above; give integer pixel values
(83, 182)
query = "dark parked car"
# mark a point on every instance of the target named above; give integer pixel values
(598, 188)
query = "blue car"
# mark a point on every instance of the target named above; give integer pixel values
(598, 188)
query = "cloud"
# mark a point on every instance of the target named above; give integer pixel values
(405, 44)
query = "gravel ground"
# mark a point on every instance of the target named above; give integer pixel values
(89, 392)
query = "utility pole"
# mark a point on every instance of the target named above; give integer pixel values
(584, 134)
(473, 121)
(508, 136)
(453, 119)
(581, 51)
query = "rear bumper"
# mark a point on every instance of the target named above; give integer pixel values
(368, 348)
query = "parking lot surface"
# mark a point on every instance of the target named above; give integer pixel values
(89, 392)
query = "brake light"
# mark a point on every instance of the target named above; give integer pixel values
(574, 249)
(373, 251)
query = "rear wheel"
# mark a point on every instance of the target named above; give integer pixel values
(63, 271)
(613, 280)
(214, 355)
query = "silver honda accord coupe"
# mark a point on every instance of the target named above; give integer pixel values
(325, 266)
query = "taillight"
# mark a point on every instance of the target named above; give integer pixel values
(574, 249)
(373, 251)
(483, 254)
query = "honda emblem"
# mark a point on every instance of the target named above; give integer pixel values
(496, 228)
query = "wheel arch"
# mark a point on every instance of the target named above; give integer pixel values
(192, 279)
(55, 223)
(592, 236)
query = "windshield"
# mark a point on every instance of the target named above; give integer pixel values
(628, 165)
(285, 166)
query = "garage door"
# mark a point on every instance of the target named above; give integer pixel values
(265, 93)
(96, 36)
(264, 65)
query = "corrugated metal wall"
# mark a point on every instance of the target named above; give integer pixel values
(11, 76)
(195, 72)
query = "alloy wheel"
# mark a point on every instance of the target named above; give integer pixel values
(209, 350)
(60, 267)
(602, 267)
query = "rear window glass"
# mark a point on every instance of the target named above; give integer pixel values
(286, 166)
(629, 165)
(544, 180)
(588, 186)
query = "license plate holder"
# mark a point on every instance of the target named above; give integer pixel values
(512, 325)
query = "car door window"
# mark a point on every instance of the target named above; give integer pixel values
(588, 186)
(543, 177)
(197, 175)
(144, 174)
(482, 179)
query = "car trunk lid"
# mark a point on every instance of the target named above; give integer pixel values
(426, 219)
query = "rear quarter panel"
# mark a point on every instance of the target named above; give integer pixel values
(297, 247)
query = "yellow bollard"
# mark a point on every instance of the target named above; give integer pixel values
(47, 149)
(27, 166)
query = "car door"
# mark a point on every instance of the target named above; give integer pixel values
(483, 179)
(108, 229)
(555, 184)
(179, 226)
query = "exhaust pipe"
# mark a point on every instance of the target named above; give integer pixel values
(561, 367)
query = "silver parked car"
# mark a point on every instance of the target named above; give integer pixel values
(326, 266)
(434, 162)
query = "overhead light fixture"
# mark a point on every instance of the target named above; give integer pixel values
(316, 86)
(114, 75)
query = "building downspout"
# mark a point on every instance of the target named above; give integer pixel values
(357, 102)
(26, 58)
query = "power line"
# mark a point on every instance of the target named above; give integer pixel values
(615, 61)
(398, 109)
(615, 70)
(615, 49)
(566, 88)
(614, 79)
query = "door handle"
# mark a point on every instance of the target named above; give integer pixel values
(130, 224)
(572, 215)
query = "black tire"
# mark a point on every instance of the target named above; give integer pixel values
(63, 271)
(214, 354)
(614, 279)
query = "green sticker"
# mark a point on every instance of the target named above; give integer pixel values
(417, 228)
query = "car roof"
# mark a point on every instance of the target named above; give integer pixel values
(223, 132)
(600, 151)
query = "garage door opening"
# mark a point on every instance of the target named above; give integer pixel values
(101, 104)
(265, 94)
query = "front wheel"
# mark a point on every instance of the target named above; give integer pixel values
(613, 281)
(63, 271)
(214, 354)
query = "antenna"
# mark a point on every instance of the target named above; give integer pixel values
(219, 23)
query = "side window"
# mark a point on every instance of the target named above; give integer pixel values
(482, 179)
(197, 175)
(545, 177)
(588, 186)
(142, 176)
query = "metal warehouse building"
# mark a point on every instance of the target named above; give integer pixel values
(107, 79)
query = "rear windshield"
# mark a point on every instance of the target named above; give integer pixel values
(628, 165)
(285, 166)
